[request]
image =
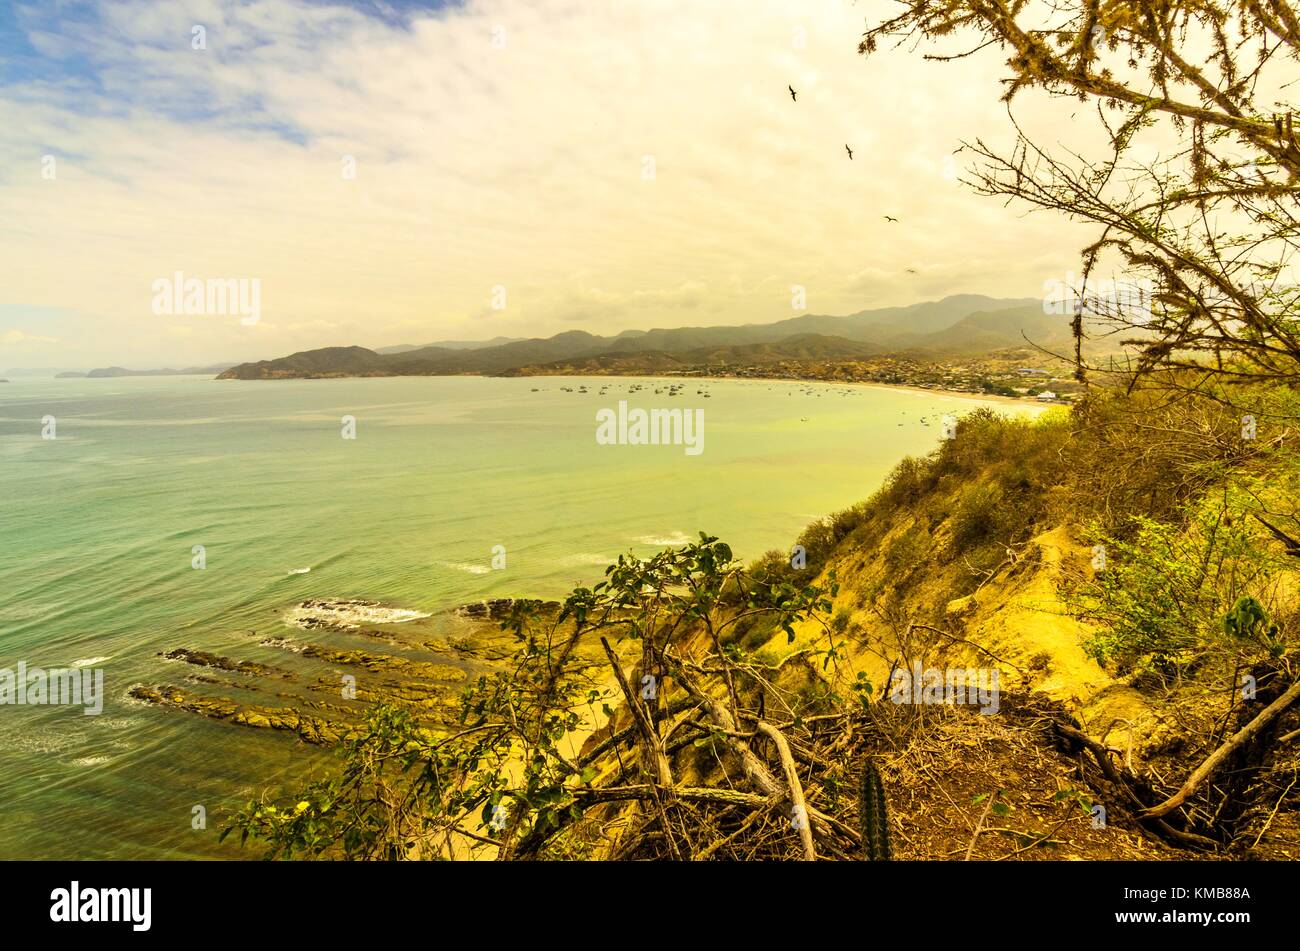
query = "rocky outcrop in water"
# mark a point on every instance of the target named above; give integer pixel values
(311, 729)
(497, 609)
(217, 662)
(323, 690)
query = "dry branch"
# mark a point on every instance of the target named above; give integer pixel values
(1217, 758)
(800, 809)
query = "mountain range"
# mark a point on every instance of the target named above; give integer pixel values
(449, 345)
(103, 372)
(957, 326)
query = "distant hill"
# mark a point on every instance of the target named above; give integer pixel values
(808, 346)
(123, 371)
(799, 347)
(892, 326)
(449, 345)
(426, 361)
(37, 371)
(884, 327)
(328, 361)
(993, 330)
(959, 324)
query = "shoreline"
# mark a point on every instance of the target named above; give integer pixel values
(910, 387)
(961, 394)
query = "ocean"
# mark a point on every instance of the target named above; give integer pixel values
(102, 527)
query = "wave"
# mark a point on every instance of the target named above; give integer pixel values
(347, 614)
(44, 741)
(91, 760)
(589, 559)
(675, 539)
(117, 723)
(467, 568)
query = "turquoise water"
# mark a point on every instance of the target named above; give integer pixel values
(98, 526)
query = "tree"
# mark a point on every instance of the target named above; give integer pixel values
(1210, 226)
(507, 783)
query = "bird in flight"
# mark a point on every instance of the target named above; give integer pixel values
(850, 151)
(793, 95)
(889, 218)
(911, 270)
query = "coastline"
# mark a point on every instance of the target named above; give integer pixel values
(910, 387)
(960, 394)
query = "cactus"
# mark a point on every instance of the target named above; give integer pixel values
(1248, 619)
(1245, 618)
(874, 814)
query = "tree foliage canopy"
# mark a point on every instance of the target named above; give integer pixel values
(1195, 193)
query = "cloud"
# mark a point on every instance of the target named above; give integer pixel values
(614, 165)
(637, 306)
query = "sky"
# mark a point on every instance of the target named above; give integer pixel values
(384, 172)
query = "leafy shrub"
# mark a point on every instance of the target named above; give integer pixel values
(1162, 595)
(979, 517)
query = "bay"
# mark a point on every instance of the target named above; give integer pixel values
(98, 529)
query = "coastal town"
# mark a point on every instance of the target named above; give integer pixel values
(990, 376)
(1019, 373)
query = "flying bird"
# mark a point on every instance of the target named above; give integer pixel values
(911, 270)
(888, 218)
(793, 94)
(850, 151)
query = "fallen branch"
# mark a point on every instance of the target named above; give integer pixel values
(654, 749)
(614, 739)
(1217, 758)
(1101, 754)
(979, 826)
(756, 770)
(642, 720)
(721, 797)
(799, 809)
